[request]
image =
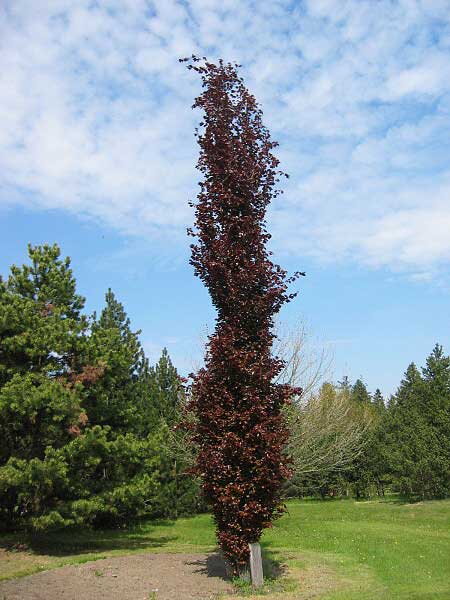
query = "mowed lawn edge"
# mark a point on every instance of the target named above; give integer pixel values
(349, 549)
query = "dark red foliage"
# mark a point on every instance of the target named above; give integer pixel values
(240, 432)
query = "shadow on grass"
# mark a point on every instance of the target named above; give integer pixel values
(388, 498)
(273, 567)
(397, 499)
(214, 565)
(79, 542)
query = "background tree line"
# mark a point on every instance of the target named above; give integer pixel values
(88, 427)
(84, 418)
(348, 442)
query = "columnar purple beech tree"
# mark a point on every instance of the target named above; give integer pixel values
(240, 432)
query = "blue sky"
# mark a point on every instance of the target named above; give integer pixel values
(97, 153)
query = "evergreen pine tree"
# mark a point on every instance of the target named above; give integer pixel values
(41, 325)
(417, 430)
(344, 384)
(180, 491)
(119, 398)
(75, 406)
(41, 341)
(378, 401)
(406, 392)
(42, 335)
(359, 392)
(166, 389)
(359, 475)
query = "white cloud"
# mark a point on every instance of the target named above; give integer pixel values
(431, 77)
(95, 117)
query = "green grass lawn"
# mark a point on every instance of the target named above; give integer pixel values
(336, 550)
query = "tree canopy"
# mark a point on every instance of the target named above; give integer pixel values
(240, 430)
(84, 419)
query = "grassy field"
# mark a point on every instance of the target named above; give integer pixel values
(336, 550)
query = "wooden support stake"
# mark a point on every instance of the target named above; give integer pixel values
(256, 569)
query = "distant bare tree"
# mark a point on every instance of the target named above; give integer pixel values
(307, 360)
(178, 441)
(327, 432)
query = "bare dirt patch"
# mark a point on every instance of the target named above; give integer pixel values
(132, 577)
